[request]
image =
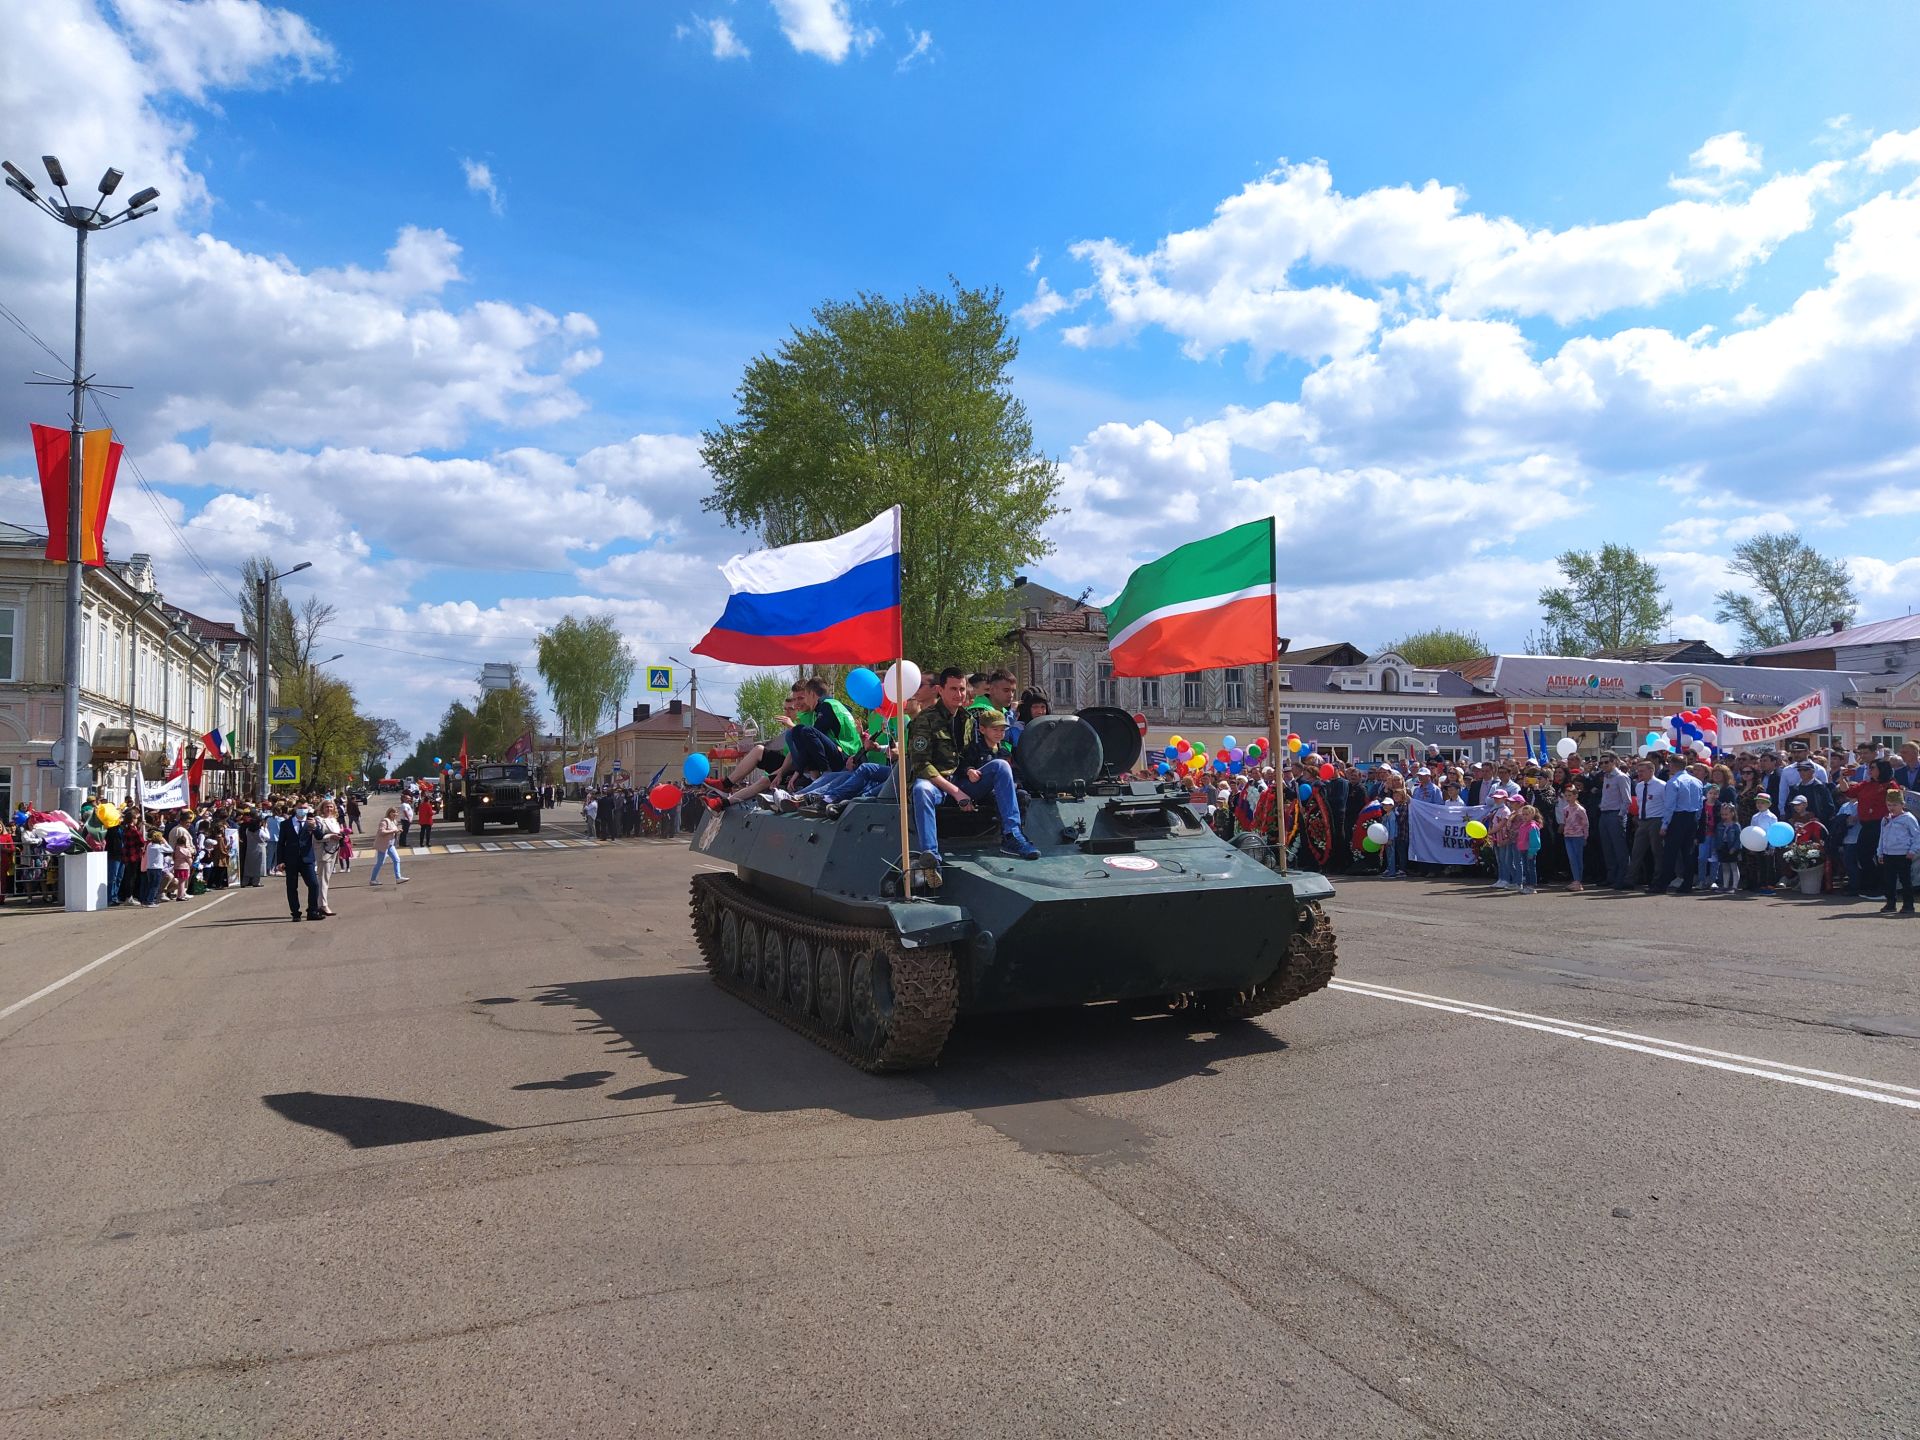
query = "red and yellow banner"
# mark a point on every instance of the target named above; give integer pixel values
(99, 464)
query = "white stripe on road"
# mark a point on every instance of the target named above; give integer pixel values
(522, 844)
(488, 845)
(47, 990)
(558, 844)
(1880, 1090)
(456, 849)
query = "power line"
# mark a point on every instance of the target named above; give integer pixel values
(26, 330)
(153, 496)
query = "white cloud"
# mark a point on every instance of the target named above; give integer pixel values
(1247, 276)
(481, 182)
(822, 27)
(1718, 164)
(722, 40)
(1900, 147)
(1046, 303)
(919, 47)
(222, 44)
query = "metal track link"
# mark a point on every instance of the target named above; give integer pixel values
(1308, 967)
(925, 989)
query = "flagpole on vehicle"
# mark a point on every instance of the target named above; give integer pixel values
(1274, 735)
(900, 718)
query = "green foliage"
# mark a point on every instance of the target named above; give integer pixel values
(1430, 649)
(493, 722)
(1609, 600)
(1800, 591)
(587, 668)
(759, 698)
(883, 402)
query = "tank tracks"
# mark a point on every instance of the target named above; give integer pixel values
(854, 990)
(1307, 968)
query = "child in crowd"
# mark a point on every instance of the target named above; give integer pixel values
(1725, 875)
(159, 863)
(1499, 827)
(1390, 852)
(1846, 824)
(1575, 825)
(1526, 847)
(182, 860)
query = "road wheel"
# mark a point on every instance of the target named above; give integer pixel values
(473, 824)
(729, 943)
(830, 987)
(533, 824)
(749, 972)
(870, 999)
(800, 962)
(773, 963)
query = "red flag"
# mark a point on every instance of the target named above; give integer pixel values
(99, 464)
(463, 757)
(193, 780)
(179, 766)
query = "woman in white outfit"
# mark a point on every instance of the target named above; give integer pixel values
(326, 845)
(386, 849)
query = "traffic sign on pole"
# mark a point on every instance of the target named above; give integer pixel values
(659, 678)
(286, 769)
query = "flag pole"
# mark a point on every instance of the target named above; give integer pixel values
(900, 719)
(1273, 693)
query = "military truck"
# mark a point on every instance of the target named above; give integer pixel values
(491, 794)
(1132, 900)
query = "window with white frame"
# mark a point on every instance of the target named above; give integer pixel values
(1690, 696)
(1193, 690)
(1060, 684)
(9, 643)
(1236, 687)
(103, 675)
(86, 648)
(1103, 682)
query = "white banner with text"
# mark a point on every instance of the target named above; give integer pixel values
(1807, 713)
(1439, 832)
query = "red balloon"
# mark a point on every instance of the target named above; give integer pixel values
(1326, 772)
(1185, 747)
(888, 709)
(664, 797)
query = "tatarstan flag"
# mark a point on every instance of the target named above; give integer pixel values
(1207, 604)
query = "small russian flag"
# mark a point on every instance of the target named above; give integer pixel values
(215, 744)
(829, 601)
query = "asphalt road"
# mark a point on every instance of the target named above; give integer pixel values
(488, 1155)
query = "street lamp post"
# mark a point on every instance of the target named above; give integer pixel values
(83, 221)
(263, 624)
(313, 682)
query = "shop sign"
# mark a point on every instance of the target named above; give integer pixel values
(1591, 684)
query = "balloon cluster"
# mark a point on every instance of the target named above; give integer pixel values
(1758, 837)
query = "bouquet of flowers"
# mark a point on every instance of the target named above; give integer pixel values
(1804, 856)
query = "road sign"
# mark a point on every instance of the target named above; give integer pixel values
(285, 738)
(285, 712)
(660, 678)
(286, 769)
(60, 753)
(47, 764)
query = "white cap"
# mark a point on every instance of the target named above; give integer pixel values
(1423, 772)
(1387, 804)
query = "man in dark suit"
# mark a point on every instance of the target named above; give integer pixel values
(1820, 798)
(296, 854)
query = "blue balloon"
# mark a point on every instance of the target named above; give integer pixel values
(1233, 767)
(1165, 768)
(1227, 742)
(1306, 791)
(696, 769)
(864, 688)
(1306, 747)
(1779, 833)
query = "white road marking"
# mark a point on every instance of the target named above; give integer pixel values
(488, 845)
(1856, 1086)
(559, 844)
(419, 849)
(46, 990)
(456, 849)
(523, 844)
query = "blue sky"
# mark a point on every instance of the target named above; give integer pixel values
(477, 406)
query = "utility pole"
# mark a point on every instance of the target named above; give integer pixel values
(83, 220)
(263, 624)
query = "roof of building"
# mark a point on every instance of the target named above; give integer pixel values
(666, 722)
(1527, 676)
(1340, 652)
(1032, 595)
(207, 629)
(1080, 620)
(1665, 652)
(1306, 678)
(1902, 628)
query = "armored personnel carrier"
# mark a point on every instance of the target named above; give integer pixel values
(1133, 899)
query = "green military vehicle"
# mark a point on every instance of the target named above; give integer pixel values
(1133, 899)
(491, 795)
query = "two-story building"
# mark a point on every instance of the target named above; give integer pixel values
(152, 675)
(659, 740)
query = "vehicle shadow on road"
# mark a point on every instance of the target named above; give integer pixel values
(710, 1047)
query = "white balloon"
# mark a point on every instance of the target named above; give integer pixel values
(903, 678)
(1377, 833)
(1565, 746)
(1754, 838)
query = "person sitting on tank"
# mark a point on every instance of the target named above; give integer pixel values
(766, 758)
(996, 693)
(823, 740)
(941, 751)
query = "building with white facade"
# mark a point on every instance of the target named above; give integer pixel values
(152, 675)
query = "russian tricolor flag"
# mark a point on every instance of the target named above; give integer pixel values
(830, 601)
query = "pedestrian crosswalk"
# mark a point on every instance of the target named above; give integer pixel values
(507, 844)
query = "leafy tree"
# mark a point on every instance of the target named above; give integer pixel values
(382, 738)
(1610, 599)
(332, 731)
(588, 668)
(759, 698)
(882, 402)
(1800, 591)
(293, 633)
(1430, 649)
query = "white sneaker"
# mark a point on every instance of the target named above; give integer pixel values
(1501, 885)
(401, 881)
